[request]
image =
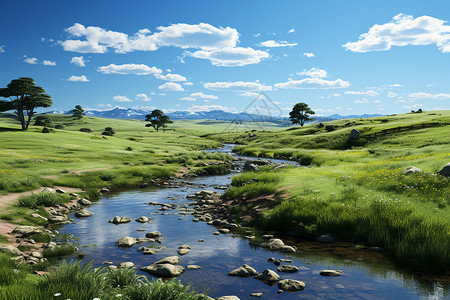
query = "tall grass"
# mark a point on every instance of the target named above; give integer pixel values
(43, 198)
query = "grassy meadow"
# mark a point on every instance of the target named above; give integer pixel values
(356, 190)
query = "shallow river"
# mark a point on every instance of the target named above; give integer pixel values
(367, 275)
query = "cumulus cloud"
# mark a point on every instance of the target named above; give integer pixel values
(171, 86)
(137, 69)
(171, 77)
(200, 36)
(49, 63)
(314, 72)
(395, 85)
(232, 57)
(188, 83)
(188, 99)
(31, 60)
(275, 44)
(392, 95)
(308, 54)
(119, 98)
(197, 108)
(237, 86)
(200, 95)
(313, 83)
(370, 93)
(423, 95)
(78, 61)
(143, 97)
(2, 48)
(292, 30)
(362, 101)
(81, 78)
(404, 30)
(249, 94)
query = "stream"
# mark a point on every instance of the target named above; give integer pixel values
(366, 274)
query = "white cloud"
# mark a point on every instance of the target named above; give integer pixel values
(119, 98)
(370, 93)
(200, 95)
(232, 57)
(362, 101)
(336, 95)
(313, 83)
(31, 60)
(314, 72)
(392, 95)
(308, 54)
(249, 94)
(422, 95)
(2, 48)
(188, 83)
(197, 108)
(395, 85)
(188, 99)
(377, 101)
(274, 44)
(404, 30)
(171, 86)
(292, 30)
(171, 77)
(78, 61)
(238, 86)
(137, 69)
(104, 105)
(200, 36)
(49, 63)
(257, 34)
(143, 97)
(81, 78)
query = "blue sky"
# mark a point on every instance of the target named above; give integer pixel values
(345, 57)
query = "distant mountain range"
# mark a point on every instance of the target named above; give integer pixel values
(130, 113)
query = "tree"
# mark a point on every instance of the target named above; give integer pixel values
(24, 97)
(78, 112)
(157, 120)
(300, 114)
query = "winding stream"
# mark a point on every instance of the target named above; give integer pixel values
(367, 275)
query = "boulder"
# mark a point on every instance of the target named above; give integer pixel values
(248, 166)
(228, 298)
(119, 220)
(243, 271)
(445, 170)
(34, 215)
(271, 259)
(49, 190)
(37, 254)
(145, 240)
(183, 251)
(143, 219)
(287, 269)
(287, 249)
(193, 267)
(224, 230)
(354, 134)
(10, 249)
(83, 213)
(325, 238)
(256, 294)
(164, 270)
(331, 272)
(124, 265)
(84, 202)
(174, 260)
(412, 170)
(153, 234)
(104, 190)
(126, 242)
(291, 285)
(26, 230)
(150, 251)
(60, 191)
(268, 275)
(274, 244)
(57, 219)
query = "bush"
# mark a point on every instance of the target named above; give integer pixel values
(43, 121)
(86, 130)
(330, 128)
(108, 133)
(60, 126)
(110, 129)
(43, 198)
(46, 130)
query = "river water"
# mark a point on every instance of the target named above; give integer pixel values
(367, 275)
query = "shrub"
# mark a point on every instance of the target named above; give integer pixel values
(330, 128)
(42, 198)
(46, 130)
(110, 129)
(129, 149)
(43, 121)
(60, 251)
(86, 130)
(108, 133)
(60, 126)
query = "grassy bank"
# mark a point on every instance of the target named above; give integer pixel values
(359, 193)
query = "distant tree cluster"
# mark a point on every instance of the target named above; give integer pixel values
(157, 120)
(78, 112)
(24, 97)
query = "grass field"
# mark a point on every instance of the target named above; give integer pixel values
(356, 190)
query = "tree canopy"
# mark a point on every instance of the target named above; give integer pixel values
(78, 112)
(300, 113)
(24, 97)
(157, 120)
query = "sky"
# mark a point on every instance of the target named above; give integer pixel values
(340, 57)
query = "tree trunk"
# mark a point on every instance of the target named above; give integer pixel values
(30, 115)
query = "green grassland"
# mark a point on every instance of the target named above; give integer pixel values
(356, 190)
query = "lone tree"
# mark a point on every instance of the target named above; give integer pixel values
(300, 114)
(157, 120)
(78, 112)
(24, 97)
